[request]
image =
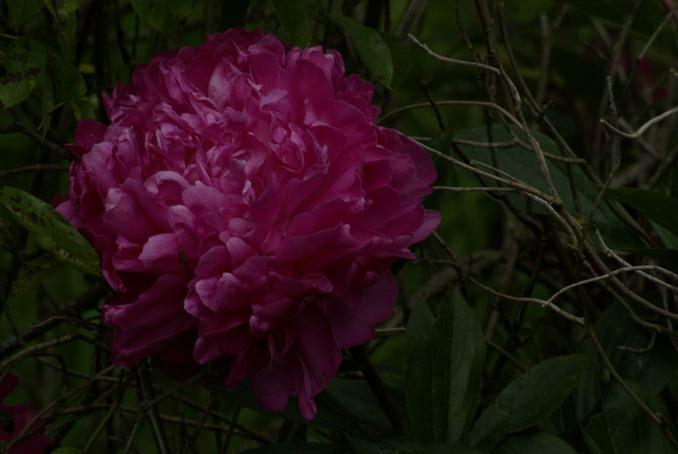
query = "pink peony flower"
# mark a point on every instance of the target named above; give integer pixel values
(247, 207)
(13, 420)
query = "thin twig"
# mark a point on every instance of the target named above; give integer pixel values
(420, 105)
(35, 167)
(454, 61)
(508, 355)
(144, 390)
(457, 268)
(544, 303)
(473, 189)
(33, 349)
(610, 253)
(640, 131)
(231, 428)
(513, 183)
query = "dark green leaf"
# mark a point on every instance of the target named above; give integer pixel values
(342, 407)
(62, 9)
(656, 206)
(623, 428)
(537, 443)
(444, 371)
(46, 97)
(596, 437)
(25, 56)
(12, 92)
(673, 186)
(298, 448)
(420, 371)
(529, 400)
(579, 405)
(67, 451)
(618, 238)
(373, 52)
(24, 62)
(32, 273)
(402, 58)
(392, 446)
(521, 163)
(68, 6)
(458, 368)
(66, 25)
(652, 369)
(163, 15)
(21, 10)
(357, 399)
(68, 82)
(51, 231)
(296, 23)
(666, 257)
(451, 449)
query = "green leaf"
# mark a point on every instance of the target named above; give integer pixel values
(458, 369)
(673, 186)
(63, 8)
(67, 7)
(596, 437)
(46, 97)
(402, 57)
(623, 428)
(163, 15)
(346, 406)
(373, 52)
(529, 399)
(296, 23)
(537, 443)
(21, 10)
(444, 363)
(24, 62)
(32, 273)
(297, 448)
(12, 92)
(69, 84)
(51, 231)
(67, 451)
(420, 349)
(656, 206)
(66, 25)
(451, 449)
(579, 405)
(403, 446)
(24, 57)
(653, 369)
(521, 163)
(356, 399)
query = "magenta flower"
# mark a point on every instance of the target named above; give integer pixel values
(13, 420)
(247, 207)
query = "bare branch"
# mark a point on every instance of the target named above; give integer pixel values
(640, 131)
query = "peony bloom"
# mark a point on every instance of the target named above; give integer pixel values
(247, 208)
(13, 420)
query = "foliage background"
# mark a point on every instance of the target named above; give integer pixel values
(447, 373)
